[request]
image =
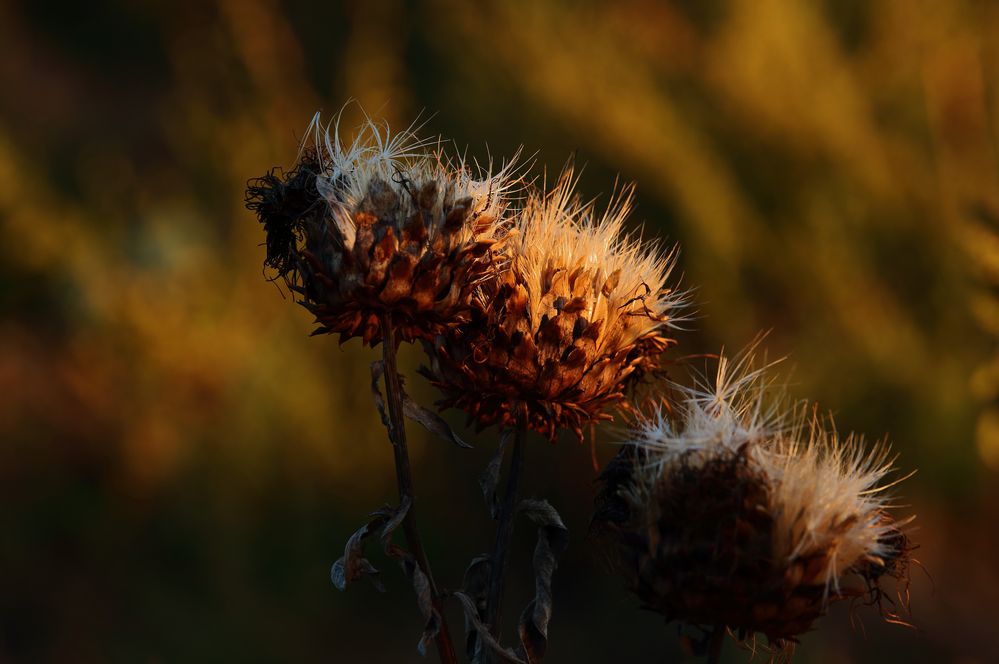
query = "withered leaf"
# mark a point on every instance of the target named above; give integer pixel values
(476, 584)
(476, 579)
(430, 420)
(421, 584)
(553, 537)
(393, 519)
(338, 573)
(490, 478)
(485, 638)
(353, 565)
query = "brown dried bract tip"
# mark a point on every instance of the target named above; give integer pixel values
(720, 517)
(381, 225)
(580, 313)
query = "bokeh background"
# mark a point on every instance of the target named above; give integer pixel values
(180, 464)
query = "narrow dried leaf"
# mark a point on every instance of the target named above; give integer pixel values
(490, 478)
(421, 584)
(431, 421)
(472, 618)
(476, 584)
(424, 597)
(353, 565)
(476, 579)
(394, 518)
(338, 574)
(553, 537)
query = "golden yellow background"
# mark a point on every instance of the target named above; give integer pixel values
(180, 463)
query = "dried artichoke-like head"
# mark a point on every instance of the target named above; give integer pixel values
(384, 225)
(578, 313)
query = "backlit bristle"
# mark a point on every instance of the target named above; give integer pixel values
(732, 409)
(733, 508)
(828, 497)
(625, 281)
(578, 313)
(404, 162)
(383, 224)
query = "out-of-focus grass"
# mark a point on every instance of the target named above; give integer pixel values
(179, 463)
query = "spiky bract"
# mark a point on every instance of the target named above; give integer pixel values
(727, 512)
(579, 313)
(381, 225)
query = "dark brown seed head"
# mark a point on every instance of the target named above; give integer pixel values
(716, 515)
(381, 227)
(578, 316)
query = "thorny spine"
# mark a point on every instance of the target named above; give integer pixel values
(504, 533)
(404, 477)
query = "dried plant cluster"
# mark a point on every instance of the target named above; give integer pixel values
(539, 313)
(384, 225)
(728, 512)
(724, 508)
(580, 312)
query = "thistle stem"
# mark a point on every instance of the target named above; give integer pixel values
(715, 643)
(404, 478)
(504, 534)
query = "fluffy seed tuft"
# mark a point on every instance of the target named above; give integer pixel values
(579, 313)
(733, 510)
(383, 224)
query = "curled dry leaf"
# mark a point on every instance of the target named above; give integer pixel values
(421, 584)
(490, 478)
(430, 420)
(475, 584)
(472, 619)
(424, 599)
(553, 537)
(353, 565)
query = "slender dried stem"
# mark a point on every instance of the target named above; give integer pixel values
(404, 477)
(504, 534)
(715, 643)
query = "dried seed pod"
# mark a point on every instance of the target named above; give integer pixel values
(381, 225)
(580, 312)
(726, 513)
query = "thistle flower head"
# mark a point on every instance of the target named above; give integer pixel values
(579, 312)
(733, 510)
(567, 250)
(381, 224)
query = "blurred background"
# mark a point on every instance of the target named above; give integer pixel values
(180, 464)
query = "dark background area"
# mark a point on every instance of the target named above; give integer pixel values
(180, 464)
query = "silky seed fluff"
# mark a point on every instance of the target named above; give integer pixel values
(579, 311)
(731, 510)
(382, 224)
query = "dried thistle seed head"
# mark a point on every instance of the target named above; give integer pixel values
(727, 512)
(579, 313)
(384, 224)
